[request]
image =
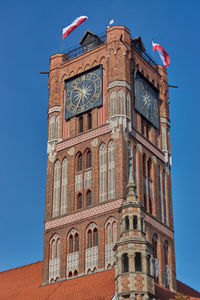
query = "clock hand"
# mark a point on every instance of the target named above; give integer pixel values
(79, 101)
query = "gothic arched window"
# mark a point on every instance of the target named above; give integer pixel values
(80, 124)
(159, 193)
(89, 238)
(103, 173)
(76, 238)
(126, 223)
(111, 171)
(71, 244)
(52, 128)
(95, 237)
(125, 263)
(138, 262)
(154, 243)
(89, 121)
(79, 162)
(164, 198)
(89, 198)
(64, 186)
(121, 102)
(113, 104)
(57, 127)
(80, 201)
(56, 189)
(166, 252)
(88, 159)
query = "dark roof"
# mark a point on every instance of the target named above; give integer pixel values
(86, 34)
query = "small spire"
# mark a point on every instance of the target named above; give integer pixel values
(131, 187)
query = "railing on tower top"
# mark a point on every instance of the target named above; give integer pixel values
(77, 50)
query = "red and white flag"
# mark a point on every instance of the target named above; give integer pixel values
(163, 54)
(67, 30)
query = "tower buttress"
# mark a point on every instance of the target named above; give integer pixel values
(134, 269)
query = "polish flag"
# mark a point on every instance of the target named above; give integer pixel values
(163, 54)
(67, 30)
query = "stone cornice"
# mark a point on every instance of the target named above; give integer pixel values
(83, 137)
(118, 83)
(54, 109)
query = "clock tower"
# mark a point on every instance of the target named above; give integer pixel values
(108, 193)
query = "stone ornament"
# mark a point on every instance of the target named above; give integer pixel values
(94, 143)
(71, 151)
(118, 83)
(54, 109)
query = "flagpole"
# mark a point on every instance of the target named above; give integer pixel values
(62, 40)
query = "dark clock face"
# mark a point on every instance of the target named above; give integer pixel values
(83, 92)
(146, 100)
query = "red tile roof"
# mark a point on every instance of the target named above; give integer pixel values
(24, 283)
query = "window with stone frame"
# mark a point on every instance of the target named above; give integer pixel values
(91, 251)
(126, 223)
(63, 208)
(54, 261)
(102, 173)
(88, 198)
(72, 253)
(79, 201)
(113, 103)
(56, 189)
(138, 262)
(52, 128)
(110, 241)
(111, 170)
(125, 263)
(121, 102)
(88, 159)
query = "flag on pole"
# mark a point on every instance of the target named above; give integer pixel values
(67, 30)
(163, 54)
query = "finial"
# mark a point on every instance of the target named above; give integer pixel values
(131, 187)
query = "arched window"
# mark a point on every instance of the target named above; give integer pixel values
(71, 244)
(113, 104)
(121, 102)
(54, 261)
(166, 252)
(88, 159)
(154, 244)
(111, 171)
(64, 186)
(80, 200)
(56, 189)
(70, 274)
(75, 273)
(103, 173)
(89, 198)
(109, 233)
(89, 238)
(89, 121)
(159, 193)
(80, 123)
(149, 264)
(115, 232)
(128, 104)
(125, 263)
(134, 222)
(79, 162)
(95, 237)
(126, 223)
(138, 262)
(76, 242)
(57, 127)
(52, 128)
(144, 181)
(149, 164)
(164, 198)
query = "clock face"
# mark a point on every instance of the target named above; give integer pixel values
(146, 100)
(83, 92)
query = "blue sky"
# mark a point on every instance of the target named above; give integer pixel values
(30, 34)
